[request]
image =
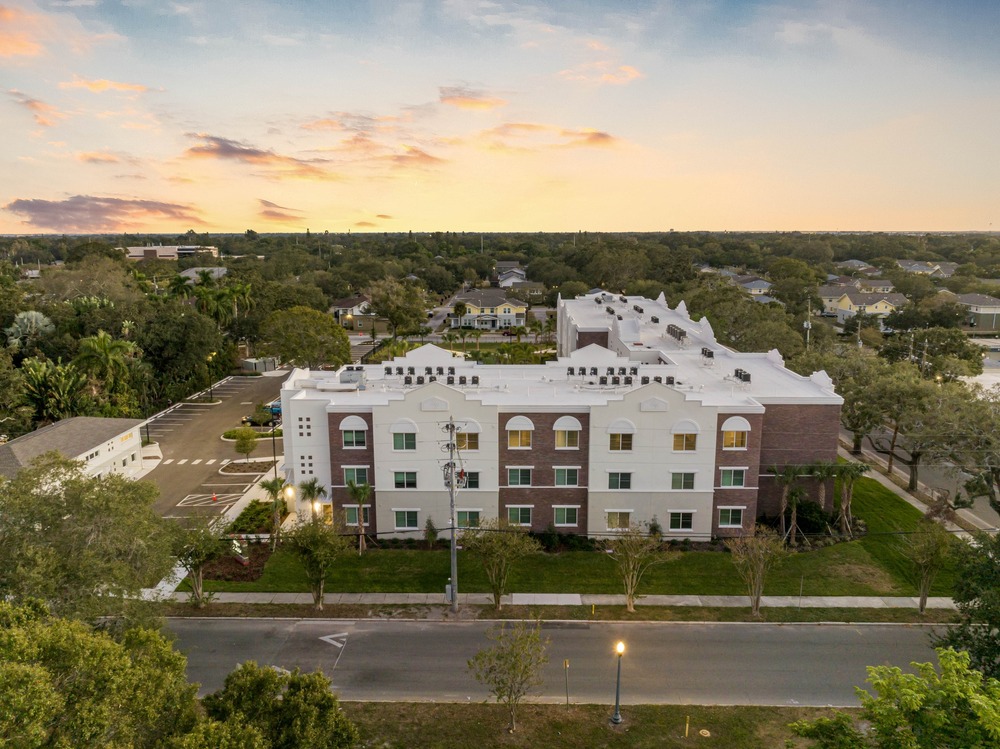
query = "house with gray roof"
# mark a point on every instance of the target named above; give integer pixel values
(984, 311)
(103, 445)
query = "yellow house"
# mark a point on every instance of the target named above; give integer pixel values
(489, 309)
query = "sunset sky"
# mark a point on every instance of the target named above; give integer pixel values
(471, 115)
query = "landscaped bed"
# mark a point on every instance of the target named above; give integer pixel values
(871, 566)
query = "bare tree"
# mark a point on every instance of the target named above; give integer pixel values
(635, 550)
(753, 556)
(927, 549)
(512, 666)
(498, 544)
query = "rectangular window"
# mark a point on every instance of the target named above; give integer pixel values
(734, 477)
(468, 518)
(621, 442)
(358, 476)
(734, 440)
(406, 520)
(519, 515)
(472, 480)
(518, 477)
(567, 477)
(351, 515)
(681, 521)
(404, 441)
(518, 439)
(619, 520)
(467, 440)
(619, 480)
(355, 438)
(685, 442)
(567, 440)
(682, 481)
(731, 517)
(405, 479)
(565, 516)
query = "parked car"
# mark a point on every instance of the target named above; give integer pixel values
(508, 331)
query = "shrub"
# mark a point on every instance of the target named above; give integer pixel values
(255, 518)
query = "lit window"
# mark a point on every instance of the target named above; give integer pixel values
(567, 440)
(619, 480)
(518, 477)
(682, 481)
(731, 517)
(619, 520)
(621, 442)
(467, 441)
(567, 476)
(405, 479)
(519, 515)
(685, 442)
(404, 441)
(354, 438)
(681, 521)
(518, 438)
(734, 440)
(565, 516)
(734, 477)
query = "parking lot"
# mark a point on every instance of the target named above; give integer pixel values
(189, 436)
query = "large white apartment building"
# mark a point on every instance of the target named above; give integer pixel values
(644, 415)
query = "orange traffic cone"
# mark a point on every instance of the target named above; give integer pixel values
(214, 498)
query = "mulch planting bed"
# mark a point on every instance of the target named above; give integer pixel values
(257, 466)
(231, 569)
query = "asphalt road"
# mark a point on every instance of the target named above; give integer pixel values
(724, 664)
(189, 436)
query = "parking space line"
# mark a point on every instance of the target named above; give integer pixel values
(209, 462)
(168, 461)
(182, 461)
(196, 462)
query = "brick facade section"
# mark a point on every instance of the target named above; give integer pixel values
(341, 456)
(585, 338)
(750, 458)
(795, 435)
(544, 457)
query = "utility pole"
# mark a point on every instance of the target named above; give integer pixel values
(453, 478)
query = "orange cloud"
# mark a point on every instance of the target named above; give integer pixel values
(97, 157)
(45, 115)
(364, 224)
(383, 215)
(16, 42)
(467, 98)
(90, 214)
(224, 149)
(414, 157)
(274, 212)
(530, 136)
(602, 72)
(101, 85)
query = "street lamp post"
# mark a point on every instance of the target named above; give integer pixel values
(274, 450)
(617, 717)
(208, 360)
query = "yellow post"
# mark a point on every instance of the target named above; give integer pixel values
(687, 726)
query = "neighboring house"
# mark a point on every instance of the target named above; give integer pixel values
(753, 285)
(353, 312)
(876, 285)
(103, 445)
(509, 277)
(530, 289)
(489, 309)
(858, 266)
(659, 422)
(167, 252)
(830, 296)
(930, 268)
(983, 311)
(853, 302)
(195, 273)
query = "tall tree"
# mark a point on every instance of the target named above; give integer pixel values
(84, 545)
(403, 305)
(246, 441)
(198, 543)
(275, 489)
(634, 551)
(848, 474)
(360, 494)
(307, 338)
(498, 544)
(512, 666)
(927, 549)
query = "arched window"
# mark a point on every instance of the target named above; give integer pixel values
(567, 429)
(685, 436)
(519, 429)
(620, 432)
(404, 435)
(355, 432)
(734, 433)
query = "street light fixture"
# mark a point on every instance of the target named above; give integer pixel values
(289, 495)
(617, 717)
(208, 361)
(315, 509)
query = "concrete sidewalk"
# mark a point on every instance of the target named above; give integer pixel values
(576, 599)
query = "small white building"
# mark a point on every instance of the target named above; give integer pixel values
(104, 446)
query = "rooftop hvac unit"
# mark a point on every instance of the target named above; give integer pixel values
(616, 380)
(440, 370)
(644, 380)
(745, 377)
(451, 379)
(603, 380)
(633, 370)
(628, 379)
(420, 379)
(475, 379)
(411, 370)
(451, 370)
(654, 318)
(593, 371)
(399, 370)
(388, 370)
(611, 370)
(408, 380)
(621, 370)
(619, 317)
(581, 371)
(669, 380)
(659, 379)
(610, 310)
(599, 300)
(624, 299)
(432, 378)
(428, 370)
(462, 380)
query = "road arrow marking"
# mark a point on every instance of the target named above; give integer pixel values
(339, 639)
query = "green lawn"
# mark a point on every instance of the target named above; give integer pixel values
(870, 566)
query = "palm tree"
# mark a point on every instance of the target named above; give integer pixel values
(106, 358)
(849, 473)
(784, 477)
(461, 309)
(518, 331)
(359, 495)
(275, 489)
(823, 472)
(28, 327)
(240, 294)
(206, 277)
(449, 339)
(535, 328)
(477, 334)
(55, 391)
(180, 286)
(795, 495)
(312, 491)
(214, 302)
